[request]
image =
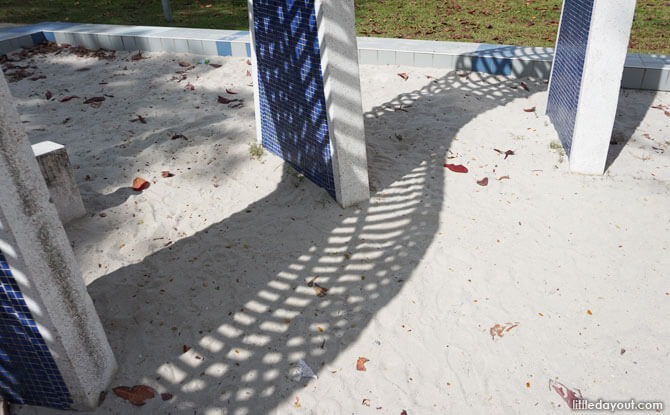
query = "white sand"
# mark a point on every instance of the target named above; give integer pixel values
(417, 277)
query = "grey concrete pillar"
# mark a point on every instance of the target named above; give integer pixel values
(586, 77)
(307, 90)
(57, 172)
(56, 352)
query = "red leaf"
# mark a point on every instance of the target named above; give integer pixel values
(403, 76)
(403, 412)
(137, 395)
(360, 364)
(48, 95)
(166, 174)
(568, 395)
(140, 184)
(508, 153)
(94, 99)
(231, 92)
(529, 109)
(66, 99)
(483, 182)
(457, 168)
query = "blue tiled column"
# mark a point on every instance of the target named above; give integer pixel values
(586, 77)
(53, 349)
(300, 107)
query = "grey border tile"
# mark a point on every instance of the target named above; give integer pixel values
(444, 61)
(195, 47)
(386, 57)
(209, 48)
(238, 49)
(423, 60)
(368, 57)
(632, 77)
(652, 78)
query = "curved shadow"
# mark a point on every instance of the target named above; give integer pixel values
(250, 312)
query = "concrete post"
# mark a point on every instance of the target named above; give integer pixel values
(167, 10)
(586, 77)
(307, 90)
(55, 352)
(57, 172)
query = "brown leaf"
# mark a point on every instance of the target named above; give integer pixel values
(524, 86)
(137, 56)
(140, 184)
(502, 178)
(184, 64)
(215, 65)
(176, 136)
(140, 119)
(248, 62)
(403, 76)
(231, 92)
(360, 364)
(311, 282)
(529, 109)
(186, 348)
(137, 395)
(166, 396)
(320, 291)
(94, 99)
(483, 182)
(37, 78)
(248, 73)
(66, 99)
(508, 153)
(166, 174)
(48, 95)
(500, 330)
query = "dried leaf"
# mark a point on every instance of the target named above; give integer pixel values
(568, 395)
(360, 364)
(215, 65)
(500, 330)
(48, 95)
(483, 182)
(508, 153)
(166, 174)
(311, 282)
(66, 99)
(524, 86)
(529, 109)
(176, 136)
(140, 184)
(502, 178)
(140, 119)
(231, 92)
(224, 100)
(248, 62)
(186, 348)
(457, 168)
(37, 78)
(137, 56)
(403, 76)
(137, 395)
(94, 99)
(166, 396)
(320, 291)
(184, 64)
(297, 402)
(248, 73)
(366, 402)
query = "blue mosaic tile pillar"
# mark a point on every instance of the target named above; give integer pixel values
(28, 372)
(307, 91)
(586, 78)
(293, 120)
(568, 67)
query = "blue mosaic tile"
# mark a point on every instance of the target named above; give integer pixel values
(294, 124)
(28, 373)
(566, 78)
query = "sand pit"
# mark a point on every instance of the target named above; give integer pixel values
(465, 298)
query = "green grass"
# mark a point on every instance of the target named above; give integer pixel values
(516, 22)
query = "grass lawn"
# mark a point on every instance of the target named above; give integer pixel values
(516, 22)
